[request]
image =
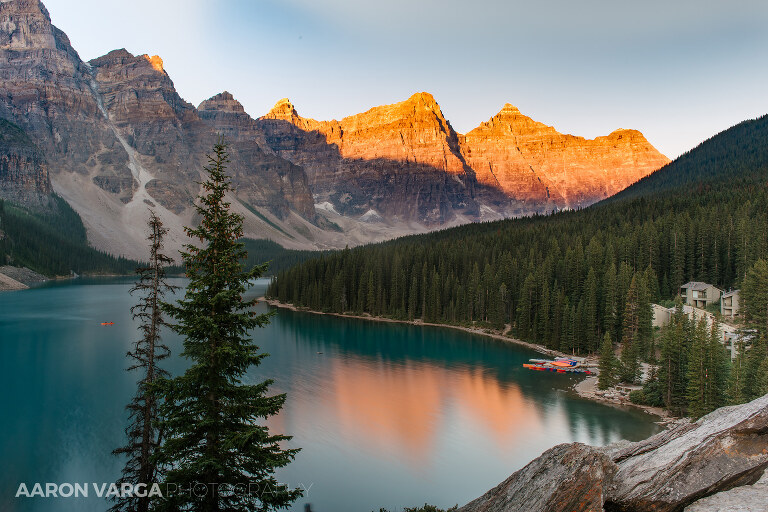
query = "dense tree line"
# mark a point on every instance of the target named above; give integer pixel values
(560, 280)
(278, 257)
(52, 242)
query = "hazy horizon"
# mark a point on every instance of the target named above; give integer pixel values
(678, 73)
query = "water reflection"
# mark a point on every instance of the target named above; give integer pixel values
(441, 414)
(387, 415)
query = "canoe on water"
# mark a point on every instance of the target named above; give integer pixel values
(557, 369)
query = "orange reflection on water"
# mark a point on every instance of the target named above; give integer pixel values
(391, 407)
(500, 409)
(398, 409)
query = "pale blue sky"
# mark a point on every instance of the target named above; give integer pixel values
(678, 70)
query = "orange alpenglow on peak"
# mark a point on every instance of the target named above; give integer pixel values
(512, 157)
(510, 108)
(155, 61)
(531, 160)
(283, 108)
(425, 97)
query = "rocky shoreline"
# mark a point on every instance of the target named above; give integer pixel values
(18, 278)
(586, 388)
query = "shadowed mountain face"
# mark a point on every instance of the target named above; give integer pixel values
(398, 162)
(118, 139)
(286, 186)
(23, 169)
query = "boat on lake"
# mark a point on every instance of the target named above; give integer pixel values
(558, 365)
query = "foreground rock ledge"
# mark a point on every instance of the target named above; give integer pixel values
(727, 449)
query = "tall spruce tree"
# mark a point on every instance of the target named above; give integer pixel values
(754, 297)
(218, 454)
(673, 363)
(143, 433)
(647, 281)
(708, 368)
(737, 377)
(720, 362)
(608, 365)
(630, 343)
(699, 370)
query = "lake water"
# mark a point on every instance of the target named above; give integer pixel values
(387, 415)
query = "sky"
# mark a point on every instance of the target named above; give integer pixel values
(680, 71)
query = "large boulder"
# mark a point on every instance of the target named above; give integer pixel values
(565, 478)
(749, 498)
(724, 450)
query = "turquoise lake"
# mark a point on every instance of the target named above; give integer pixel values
(387, 415)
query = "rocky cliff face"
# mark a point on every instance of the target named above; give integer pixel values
(399, 161)
(493, 152)
(262, 178)
(722, 455)
(534, 162)
(158, 130)
(406, 161)
(119, 139)
(45, 89)
(23, 169)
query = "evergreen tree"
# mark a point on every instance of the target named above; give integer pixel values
(754, 297)
(591, 324)
(645, 295)
(736, 382)
(610, 301)
(673, 363)
(630, 362)
(720, 364)
(699, 371)
(143, 433)
(608, 364)
(708, 369)
(755, 382)
(217, 454)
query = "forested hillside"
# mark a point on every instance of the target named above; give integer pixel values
(564, 280)
(52, 242)
(739, 153)
(275, 255)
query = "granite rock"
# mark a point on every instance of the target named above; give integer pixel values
(721, 456)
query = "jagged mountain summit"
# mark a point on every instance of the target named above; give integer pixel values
(119, 139)
(530, 160)
(116, 138)
(386, 158)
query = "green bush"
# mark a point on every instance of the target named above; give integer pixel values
(637, 397)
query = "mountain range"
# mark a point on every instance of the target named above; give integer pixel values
(113, 138)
